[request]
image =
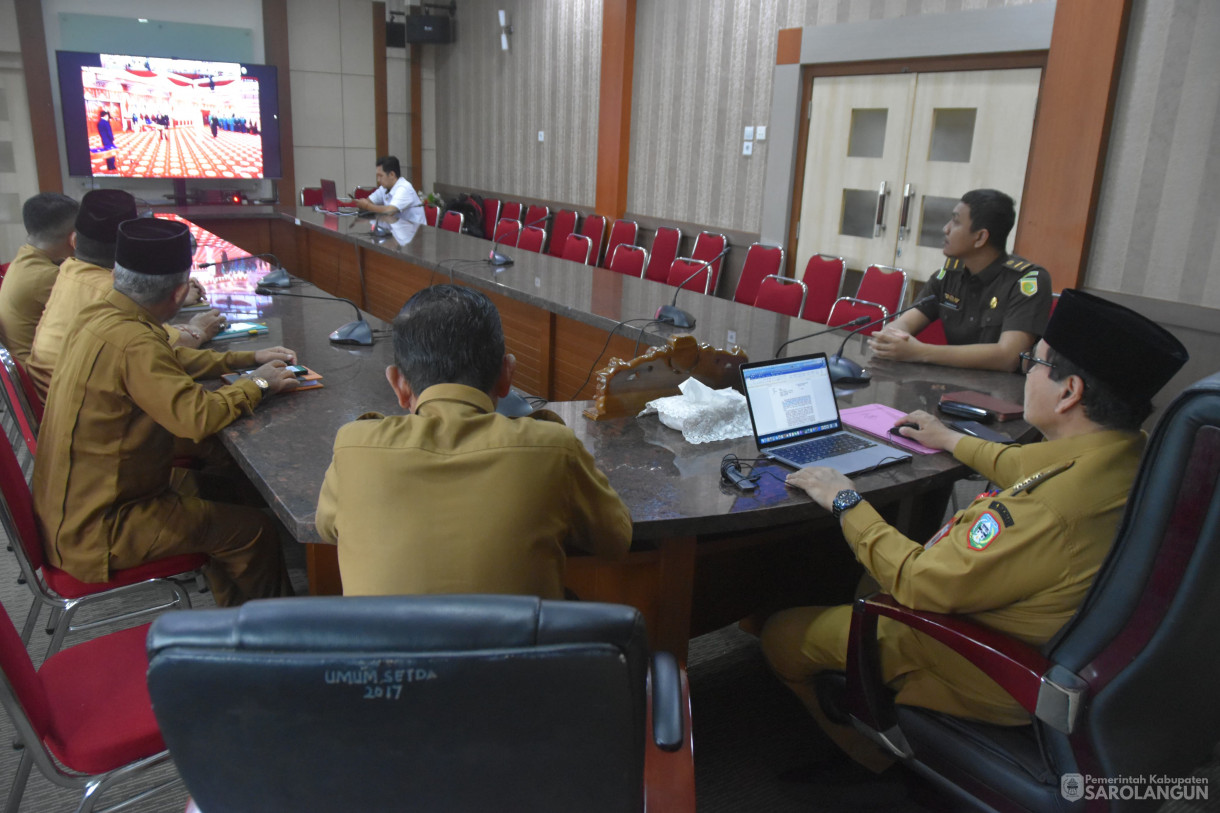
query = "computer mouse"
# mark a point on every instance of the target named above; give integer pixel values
(912, 424)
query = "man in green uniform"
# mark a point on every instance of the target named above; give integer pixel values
(993, 304)
(106, 494)
(49, 221)
(1020, 559)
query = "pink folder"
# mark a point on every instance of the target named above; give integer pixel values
(878, 419)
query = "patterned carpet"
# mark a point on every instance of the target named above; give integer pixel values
(182, 152)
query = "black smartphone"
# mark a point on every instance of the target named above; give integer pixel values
(297, 369)
(962, 410)
(976, 429)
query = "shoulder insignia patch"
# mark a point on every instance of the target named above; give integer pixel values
(1030, 483)
(1002, 509)
(951, 264)
(1029, 287)
(1017, 263)
(985, 531)
(940, 274)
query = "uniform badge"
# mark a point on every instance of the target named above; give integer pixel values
(986, 529)
(994, 303)
(940, 274)
(1029, 284)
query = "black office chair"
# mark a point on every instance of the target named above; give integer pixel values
(1126, 689)
(423, 703)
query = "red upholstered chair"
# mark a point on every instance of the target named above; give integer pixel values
(709, 245)
(881, 293)
(781, 294)
(85, 709)
(511, 210)
(623, 231)
(578, 248)
(629, 260)
(686, 267)
(761, 261)
(491, 216)
(453, 221)
(532, 238)
(563, 224)
(934, 333)
(1126, 689)
(536, 215)
(17, 400)
(663, 253)
(363, 191)
(824, 281)
(65, 595)
(432, 214)
(311, 196)
(594, 228)
(507, 231)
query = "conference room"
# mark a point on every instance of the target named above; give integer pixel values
(625, 122)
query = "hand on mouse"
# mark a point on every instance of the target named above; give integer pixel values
(927, 429)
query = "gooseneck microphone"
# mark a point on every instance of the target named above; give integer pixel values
(356, 332)
(498, 259)
(846, 371)
(671, 314)
(859, 320)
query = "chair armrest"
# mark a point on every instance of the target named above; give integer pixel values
(669, 775)
(666, 698)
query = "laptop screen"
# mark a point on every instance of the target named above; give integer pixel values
(330, 200)
(790, 399)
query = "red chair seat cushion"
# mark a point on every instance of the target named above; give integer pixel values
(69, 586)
(101, 715)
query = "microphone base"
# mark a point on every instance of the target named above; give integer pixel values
(357, 332)
(669, 315)
(276, 279)
(846, 371)
(496, 258)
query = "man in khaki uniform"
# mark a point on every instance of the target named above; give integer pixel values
(1020, 559)
(88, 276)
(105, 493)
(49, 219)
(456, 498)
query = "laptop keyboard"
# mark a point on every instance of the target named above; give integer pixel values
(822, 448)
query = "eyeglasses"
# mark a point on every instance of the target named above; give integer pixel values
(1028, 360)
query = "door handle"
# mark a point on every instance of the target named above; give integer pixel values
(882, 194)
(908, 196)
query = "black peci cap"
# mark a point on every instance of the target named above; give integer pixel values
(154, 246)
(1125, 349)
(101, 212)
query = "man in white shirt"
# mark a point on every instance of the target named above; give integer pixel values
(394, 194)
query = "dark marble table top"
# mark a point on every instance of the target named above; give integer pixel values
(672, 487)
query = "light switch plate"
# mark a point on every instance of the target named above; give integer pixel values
(747, 148)
(541, 135)
(760, 132)
(749, 136)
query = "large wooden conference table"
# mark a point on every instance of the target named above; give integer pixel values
(703, 553)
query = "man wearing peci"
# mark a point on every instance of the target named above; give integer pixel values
(394, 194)
(1019, 559)
(993, 304)
(454, 497)
(49, 220)
(106, 494)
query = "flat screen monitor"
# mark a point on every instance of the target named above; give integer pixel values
(152, 117)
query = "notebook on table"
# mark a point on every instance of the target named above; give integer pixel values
(796, 420)
(330, 200)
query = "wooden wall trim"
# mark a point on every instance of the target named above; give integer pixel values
(614, 107)
(1071, 134)
(380, 106)
(37, 70)
(417, 116)
(788, 47)
(275, 52)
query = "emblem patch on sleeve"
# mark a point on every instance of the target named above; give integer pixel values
(985, 531)
(1029, 285)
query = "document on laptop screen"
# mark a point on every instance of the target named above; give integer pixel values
(791, 399)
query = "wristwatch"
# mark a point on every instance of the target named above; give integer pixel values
(845, 500)
(261, 383)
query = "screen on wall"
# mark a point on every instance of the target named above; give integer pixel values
(151, 117)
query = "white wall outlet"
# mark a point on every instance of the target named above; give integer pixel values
(537, 282)
(541, 135)
(749, 136)
(760, 132)
(731, 338)
(747, 148)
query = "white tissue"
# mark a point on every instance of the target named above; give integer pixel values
(703, 414)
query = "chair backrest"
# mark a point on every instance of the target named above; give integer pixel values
(16, 400)
(594, 228)
(761, 261)
(491, 216)
(453, 221)
(537, 215)
(664, 251)
(511, 210)
(17, 513)
(709, 245)
(432, 213)
(934, 333)
(623, 231)
(1137, 635)
(311, 196)
(532, 238)
(507, 231)
(432, 702)
(563, 224)
(781, 294)
(628, 259)
(22, 692)
(686, 272)
(577, 248)
(885, 285)
(824, 280)
(363, 191)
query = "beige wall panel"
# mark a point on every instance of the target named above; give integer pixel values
(360, 168)
(317, 109)
(315, 163)
(358, 112)
(313, 37)
(356, 36)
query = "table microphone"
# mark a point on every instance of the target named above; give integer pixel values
(498, 259)
(278, 278)
(357, 332)
(846, 371)
(671, 314)
(859, 320)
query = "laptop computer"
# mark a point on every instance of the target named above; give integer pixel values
(330, 201)
(796, 420)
